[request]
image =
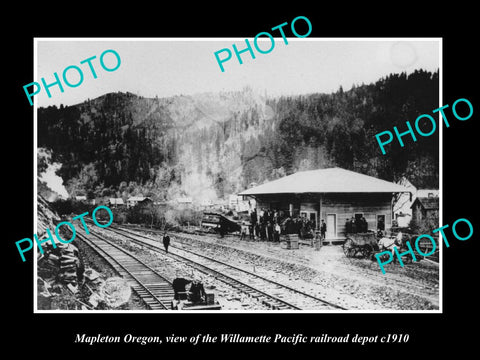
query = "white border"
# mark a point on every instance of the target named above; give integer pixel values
(272, 312)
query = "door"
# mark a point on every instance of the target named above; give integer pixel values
(313, 219)
(331, 226)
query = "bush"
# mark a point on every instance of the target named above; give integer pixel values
(161, 216)
(426, 226)
(71, 206)
(120, 217)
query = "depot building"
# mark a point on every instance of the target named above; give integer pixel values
(333, 195)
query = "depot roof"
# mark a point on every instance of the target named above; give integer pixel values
(332, 180)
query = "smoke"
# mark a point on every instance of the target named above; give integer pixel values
(199, 187)
(47, 172)
(54, 181)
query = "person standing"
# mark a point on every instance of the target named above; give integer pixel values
(221, 228)
(278, 230)
(263, 230)
(323, 230)
(251, 235)
(275, 216)
(253, 220)
(243, 228)
(363, 225)
(269, 231)
(348, 226)
(318, 241)
(166, 241)
(288, 226)
(354, 225)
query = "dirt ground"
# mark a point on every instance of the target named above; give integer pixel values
(227, 297)
(356, 284)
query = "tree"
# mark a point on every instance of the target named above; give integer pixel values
(426, 226)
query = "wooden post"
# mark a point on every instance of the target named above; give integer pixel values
(320, 212)
(320, 217)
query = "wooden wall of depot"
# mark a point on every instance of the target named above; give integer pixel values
(343, 205)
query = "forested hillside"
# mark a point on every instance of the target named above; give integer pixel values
(210, 145)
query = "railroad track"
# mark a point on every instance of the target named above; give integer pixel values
(271, 293)
(154, 289)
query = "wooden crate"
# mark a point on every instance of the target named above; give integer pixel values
(291, 241)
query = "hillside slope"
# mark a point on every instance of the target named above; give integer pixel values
(212, 144)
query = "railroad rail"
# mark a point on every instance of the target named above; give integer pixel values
(273, 293)
(154, 289)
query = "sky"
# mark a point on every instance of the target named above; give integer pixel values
(169, 67)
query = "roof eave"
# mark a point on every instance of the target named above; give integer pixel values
(243, 193)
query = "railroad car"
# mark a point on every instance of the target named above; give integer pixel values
(217, 222)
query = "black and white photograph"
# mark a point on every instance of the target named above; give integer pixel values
(261, 187)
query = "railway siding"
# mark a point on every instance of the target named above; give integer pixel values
(268, 292)
(155, 290)
(351, 283)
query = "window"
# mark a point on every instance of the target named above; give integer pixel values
(358, 216)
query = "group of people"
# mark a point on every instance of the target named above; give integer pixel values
(302, 226)
(356, 225)
(264, 226)
(270, 224)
